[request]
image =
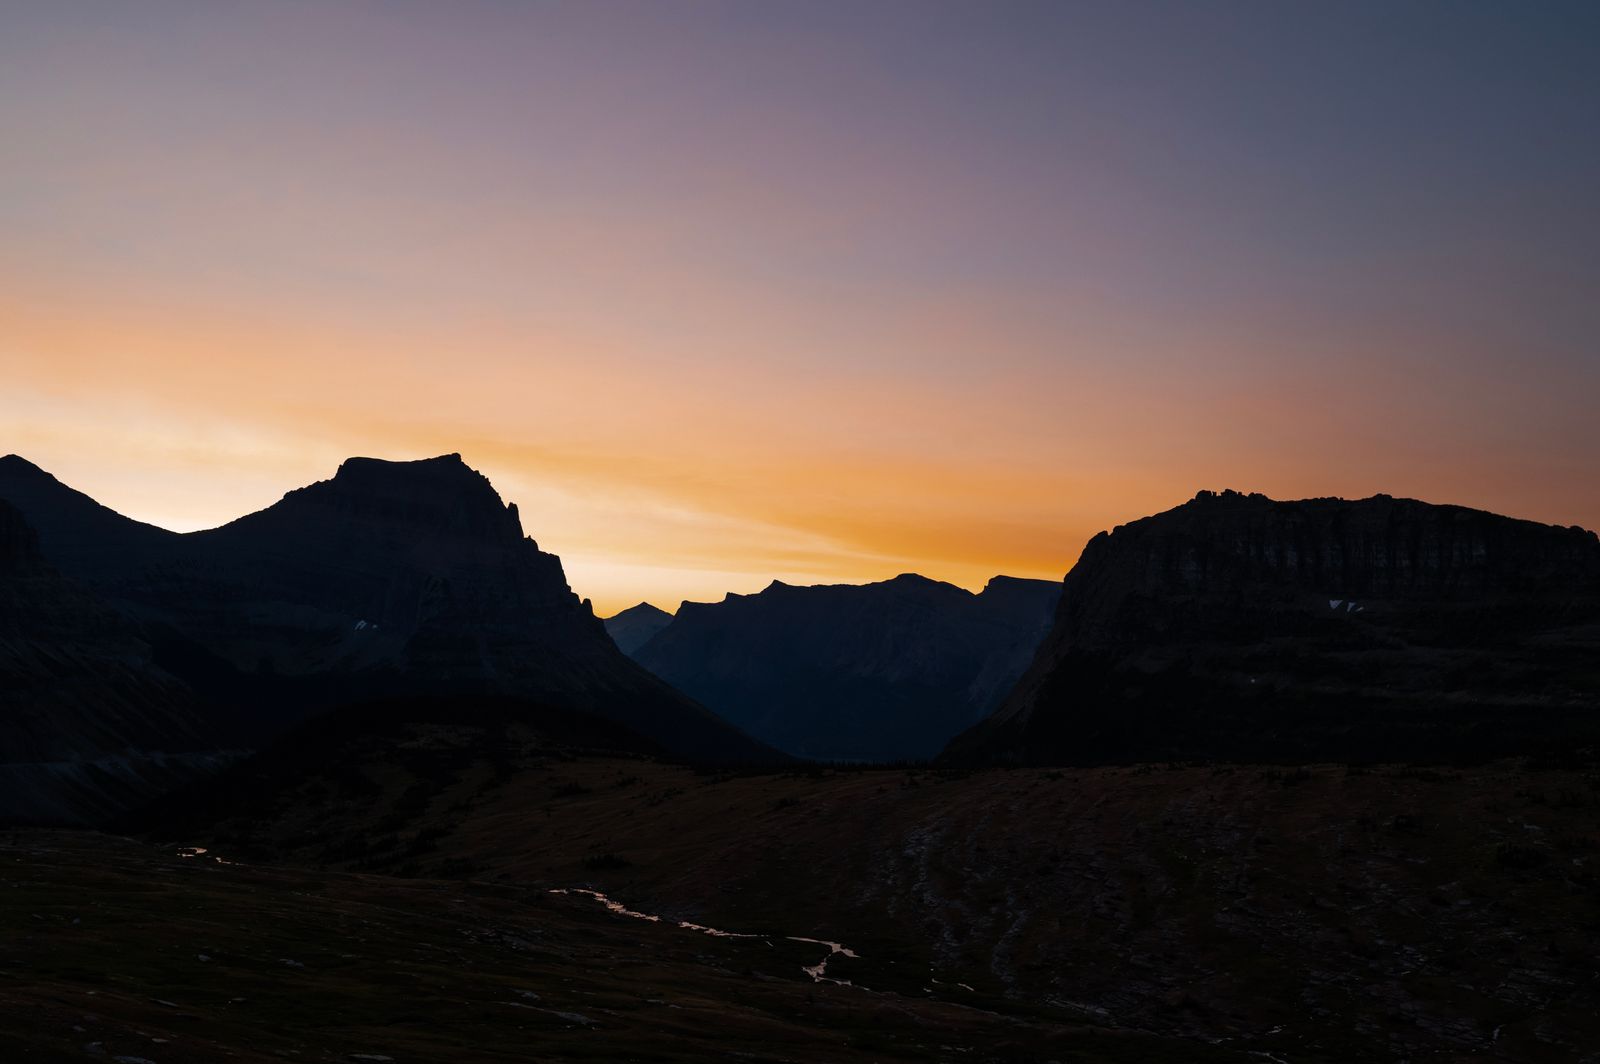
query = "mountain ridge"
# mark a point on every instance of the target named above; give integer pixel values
(1338, 610)
(880, 671)
(389, 579)
(635, 626)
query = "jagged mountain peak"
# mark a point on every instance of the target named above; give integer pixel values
(387, 577)
(440, 496)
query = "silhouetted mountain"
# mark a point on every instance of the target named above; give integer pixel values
(636, 626)
(391, 579)
(82, 538)
(1236, 626)
(87, 722)
(416, 567)
(874, 672)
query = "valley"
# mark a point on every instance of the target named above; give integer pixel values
(799, 532)
(1314, 912)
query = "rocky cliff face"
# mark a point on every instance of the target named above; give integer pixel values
(87, 721)
(636, 626)
(874, 672)
(390, 579)
(415, 566)
(1235, 625)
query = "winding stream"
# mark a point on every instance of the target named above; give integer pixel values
(818, 972)
(200, 851)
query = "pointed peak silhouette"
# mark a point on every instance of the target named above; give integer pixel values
(643, 609)
(16, 465)
(636, 626)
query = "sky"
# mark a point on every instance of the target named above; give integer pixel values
(720, 293)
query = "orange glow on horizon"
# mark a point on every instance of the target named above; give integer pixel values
(718, 300)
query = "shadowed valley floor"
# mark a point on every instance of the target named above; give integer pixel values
(1322, 912)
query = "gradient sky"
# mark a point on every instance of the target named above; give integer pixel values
(723, 292)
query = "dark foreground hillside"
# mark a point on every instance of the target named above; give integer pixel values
(113, 950)
(1314, 913)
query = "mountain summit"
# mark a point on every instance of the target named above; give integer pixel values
(636, 626)
(419, 565)
(439, 497)
(1239, 626)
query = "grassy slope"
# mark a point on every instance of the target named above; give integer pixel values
(114, 949)
(1322, 913)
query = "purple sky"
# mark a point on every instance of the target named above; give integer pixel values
(723, 292)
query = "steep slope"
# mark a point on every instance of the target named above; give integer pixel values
(416, 566)
(84, 539)
(391, 578)
(636, 626)
(87, 722)
(1237, 626)
(873, 672)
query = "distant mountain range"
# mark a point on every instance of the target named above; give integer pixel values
(391, 579)
(636, 626)
(1238, 627)
(871, 672)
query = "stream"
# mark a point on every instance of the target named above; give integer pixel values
(818, 972)
(200, 851)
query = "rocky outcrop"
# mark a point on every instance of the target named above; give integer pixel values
(636, 626)
(1235, 625)
(873, 672)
